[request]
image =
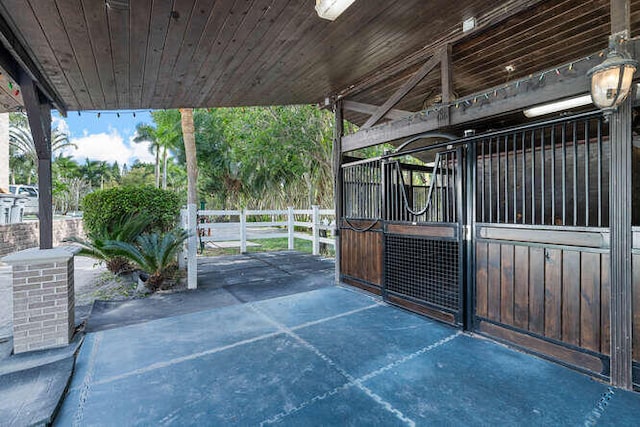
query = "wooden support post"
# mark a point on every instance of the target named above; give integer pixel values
(621, 244)
(39, 115)
(444, 118)
(338, 131)
(621, 311)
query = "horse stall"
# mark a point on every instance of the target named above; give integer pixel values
(504, 234)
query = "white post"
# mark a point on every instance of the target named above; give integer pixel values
(291, 227)
(4, 151)
(183, 254)
(192, 247)
(243, 231)
(315, 219)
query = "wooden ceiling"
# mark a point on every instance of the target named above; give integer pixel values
(139, 54)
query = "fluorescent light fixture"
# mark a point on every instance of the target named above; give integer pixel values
(331, 9)
(553, 107)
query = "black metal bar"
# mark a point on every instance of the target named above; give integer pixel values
(599, 121)
(564, 173)
(493, 133)
(506, 179)
(498, 190)
(533, 176)
(484, 167)
(575, 173)
(515, 178)
(553, 175)
(471, 205)
(543, 187)
(586, 173)
(446, 212)
(490, 181)
(524, 178)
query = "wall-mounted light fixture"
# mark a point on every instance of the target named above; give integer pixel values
(554, 107)
(611, 80)
(331, 9)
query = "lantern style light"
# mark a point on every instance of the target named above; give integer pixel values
(611, 80)
(331, 9)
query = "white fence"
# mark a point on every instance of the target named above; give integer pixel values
(246, 225)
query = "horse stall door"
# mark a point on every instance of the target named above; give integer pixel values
(541, 237)
(361, 225)
(423, 260)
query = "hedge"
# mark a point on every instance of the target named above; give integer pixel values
(103, 208)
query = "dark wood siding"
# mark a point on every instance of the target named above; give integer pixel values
(558, 293)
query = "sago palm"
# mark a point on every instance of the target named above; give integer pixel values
(97, 244)
(153, 253)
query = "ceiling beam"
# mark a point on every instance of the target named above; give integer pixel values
(513, 99)
(500, 14)
(14, 59)
(403, 90)
(360, 107)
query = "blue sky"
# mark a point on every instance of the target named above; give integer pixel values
(108, 137)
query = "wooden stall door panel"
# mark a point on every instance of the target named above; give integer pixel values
(481, 279)
(536, 290)
(571, 297)
(506, 282)
(361, 256)
(636, 307)
(590, 302)
(553, 294)
(521, 287)
(493, 291)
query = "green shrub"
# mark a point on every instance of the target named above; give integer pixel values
(104, 209)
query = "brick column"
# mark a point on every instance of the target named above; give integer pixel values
(43, 298)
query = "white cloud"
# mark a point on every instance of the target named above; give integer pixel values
(61, 124)
(109, 147)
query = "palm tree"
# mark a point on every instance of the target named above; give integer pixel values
(146, 133)
(20, 138)
(189, 138)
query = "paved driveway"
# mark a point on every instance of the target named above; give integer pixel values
(331, 356)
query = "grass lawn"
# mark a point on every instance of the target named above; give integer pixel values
(267, 245)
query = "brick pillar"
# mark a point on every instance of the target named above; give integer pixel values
(43, 298)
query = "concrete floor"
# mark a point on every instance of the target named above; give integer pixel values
(330, 356)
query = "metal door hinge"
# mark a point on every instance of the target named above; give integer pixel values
(466, 230)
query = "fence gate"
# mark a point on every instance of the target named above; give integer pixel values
(423, 232)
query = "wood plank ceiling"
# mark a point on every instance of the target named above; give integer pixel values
(133, 54)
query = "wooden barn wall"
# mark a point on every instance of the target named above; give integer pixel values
(362, 257)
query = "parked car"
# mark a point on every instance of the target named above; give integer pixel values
(31, 192)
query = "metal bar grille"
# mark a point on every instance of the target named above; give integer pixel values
(362, 185)
(424, 270)
(423, 194)
(549, 174)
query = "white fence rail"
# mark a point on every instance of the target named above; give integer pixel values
(246, 225)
